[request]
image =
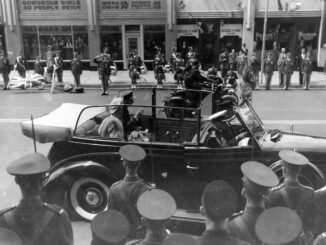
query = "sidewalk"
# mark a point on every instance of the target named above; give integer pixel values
(89, 79)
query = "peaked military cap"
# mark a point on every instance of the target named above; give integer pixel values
(219, 199)
(132, 153)
(126, 94)
(156, 204)
(180, 239)
(110, 226)
(278, 225)
(321, 239)
(9, 237)
(293, 157)
(259, 174)
(34, 163)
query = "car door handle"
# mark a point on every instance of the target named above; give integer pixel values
(192, 167)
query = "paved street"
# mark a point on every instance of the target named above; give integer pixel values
(304, 110)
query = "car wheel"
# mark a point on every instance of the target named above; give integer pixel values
(88, 196)
(310, 175)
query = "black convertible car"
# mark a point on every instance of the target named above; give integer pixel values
(182, 153)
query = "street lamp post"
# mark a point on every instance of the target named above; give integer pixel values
(263, 46)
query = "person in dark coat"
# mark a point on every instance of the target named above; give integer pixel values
(287, 68)
(281, 58)
(268, 70)
(104, 63)
(76, 67)
(257, 179)
(183, 51)
(218, 202)
(299, 59)
(306, 69)
(38, 67)
(58, 66)
(291, 193)
(36, 222)
(255, 67)
(21, 64)
(125, 193)
(4, 69)
(233, 60)
(224, 63)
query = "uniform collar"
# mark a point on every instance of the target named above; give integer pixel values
(212, 234)
(30, 203)
(131, 178)
(253, 210)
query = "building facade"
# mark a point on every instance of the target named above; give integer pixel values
(87, 26)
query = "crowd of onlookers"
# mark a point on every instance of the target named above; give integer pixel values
(138, 213)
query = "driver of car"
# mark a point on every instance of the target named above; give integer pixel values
(223, 135)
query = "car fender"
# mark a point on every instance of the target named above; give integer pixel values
(56, 183)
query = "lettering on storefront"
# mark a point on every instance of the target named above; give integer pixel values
(231, 30)
(268, 36)
(307, 36)
(66, 5)
(132, 5)
(187, 30)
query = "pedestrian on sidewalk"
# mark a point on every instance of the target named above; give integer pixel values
(58, 64)
(49, 64)
(4, 68)
(306, 68)
(281, 58)
(76, 69)
(233, 60)
(38, 67)
(268, 70)
(224, 63)
(104, 62)
(287, 69)
(255, 66)
(242, 61)
(299, 61)
(21, 65)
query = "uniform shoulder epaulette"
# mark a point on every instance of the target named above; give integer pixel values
(55, 208)
(116, 183)
(2, 212)
(235, 215)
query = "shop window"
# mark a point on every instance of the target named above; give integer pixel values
(154, 36)
(111, 38)
(63, 39)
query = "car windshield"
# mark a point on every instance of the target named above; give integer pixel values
(252, 121)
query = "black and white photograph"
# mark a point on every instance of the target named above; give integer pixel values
(163, 122)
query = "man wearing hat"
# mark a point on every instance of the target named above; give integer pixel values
(156, 207)
(257, 179)
(110, 227)
(268, 70)
(35, 222)
(218, 202)
(278, 226)
(76, 67)
(291, 193)
(124, 193)
(58, 66)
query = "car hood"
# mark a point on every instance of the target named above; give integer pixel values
(295, 141)
(59, 124)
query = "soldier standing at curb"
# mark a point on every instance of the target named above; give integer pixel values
(257, 179)
(306, 68)
(287, 69)
(281, 58)
(34, 221)
(76, 67)
(4, 69)
(58, 66)
(124, 193)
(268, 70)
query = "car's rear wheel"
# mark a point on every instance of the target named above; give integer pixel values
(310, 175)
(87, 197)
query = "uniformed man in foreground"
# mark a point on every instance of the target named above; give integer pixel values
(279, 226)
(9, 237)
(34, 221)
(156, 207)
(110, 227)
(218, 202)
(257, 179)
(180, 239)
(291, 193)
(124, 193)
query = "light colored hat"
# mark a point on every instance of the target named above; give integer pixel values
(293, 157)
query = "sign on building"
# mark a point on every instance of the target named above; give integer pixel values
(231, 30)
(187, 31)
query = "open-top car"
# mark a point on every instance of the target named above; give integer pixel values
(183, 154)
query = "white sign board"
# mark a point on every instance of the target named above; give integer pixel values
(231, 30)
(187, 31)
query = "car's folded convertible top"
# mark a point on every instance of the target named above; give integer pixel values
(59, 124)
